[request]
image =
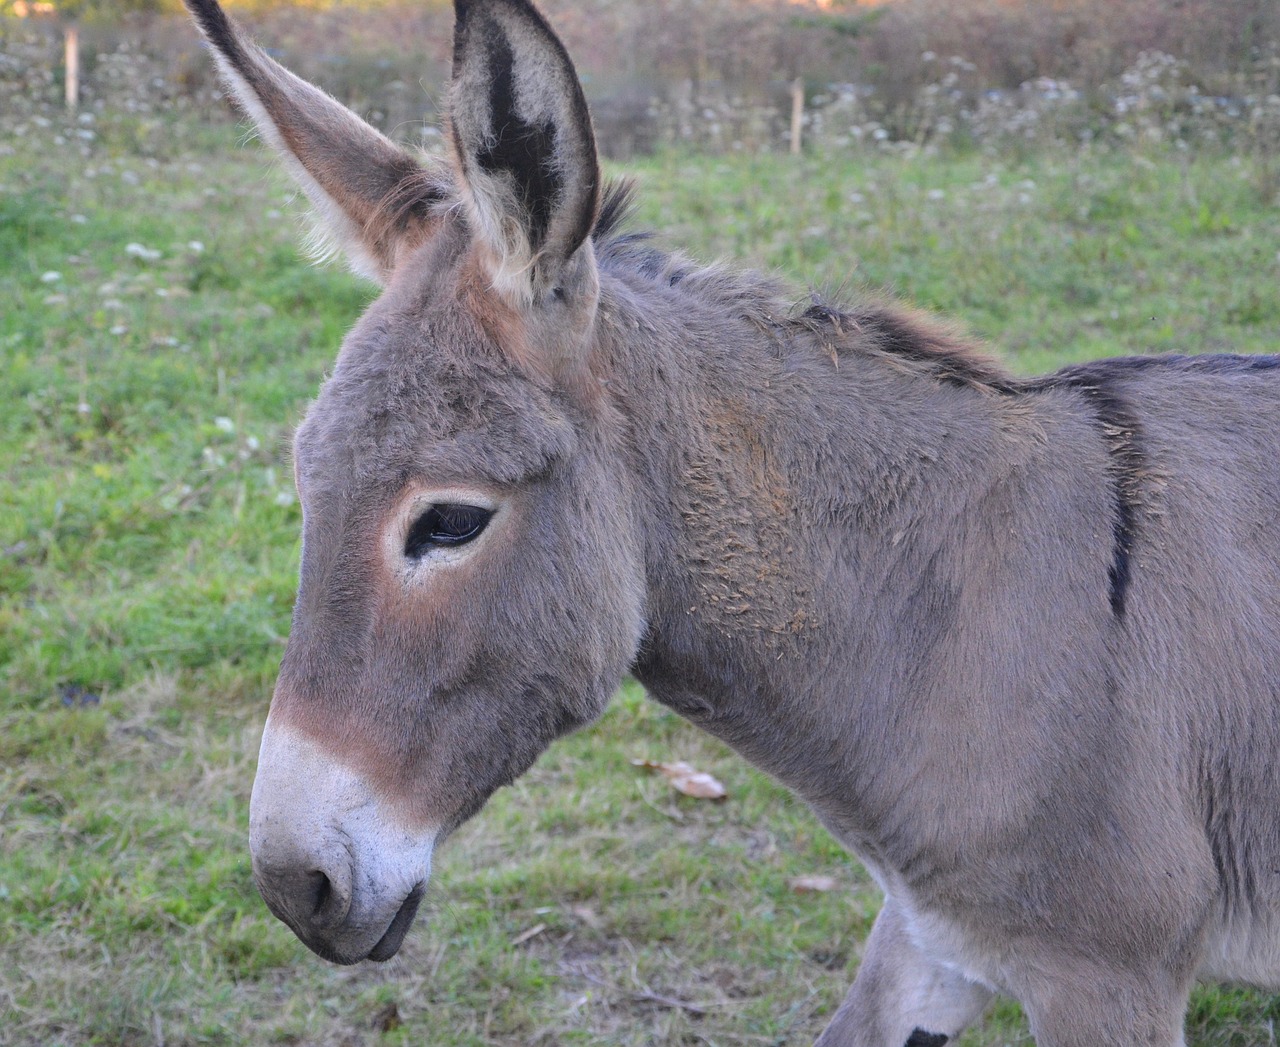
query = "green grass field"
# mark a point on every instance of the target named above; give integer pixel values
(159, 337)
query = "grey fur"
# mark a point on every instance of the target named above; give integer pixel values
(1014, 641)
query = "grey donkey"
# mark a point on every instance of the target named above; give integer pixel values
(1016, 641)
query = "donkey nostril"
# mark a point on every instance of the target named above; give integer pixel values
(307, 898)
(321, 889)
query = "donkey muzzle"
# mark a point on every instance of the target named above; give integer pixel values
(331, 858)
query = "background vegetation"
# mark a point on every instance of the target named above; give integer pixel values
(717, 74)
(160, 335)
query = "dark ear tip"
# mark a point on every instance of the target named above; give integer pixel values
(206, 11)
(214, 23)
(463, 8)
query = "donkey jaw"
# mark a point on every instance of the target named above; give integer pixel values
(332, 859)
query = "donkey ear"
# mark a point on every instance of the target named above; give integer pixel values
(524, 144)
(372, 198)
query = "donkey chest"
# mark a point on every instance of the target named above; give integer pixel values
(1250, 955)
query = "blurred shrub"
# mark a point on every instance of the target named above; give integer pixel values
(715, 74)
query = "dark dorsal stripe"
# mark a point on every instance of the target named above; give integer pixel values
(1100, 382)
(1122, 433)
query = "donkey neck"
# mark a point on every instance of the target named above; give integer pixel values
(812, 489)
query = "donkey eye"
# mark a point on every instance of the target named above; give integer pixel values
(445, 524)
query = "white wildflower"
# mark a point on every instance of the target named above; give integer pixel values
(51, 277)
(224, 424)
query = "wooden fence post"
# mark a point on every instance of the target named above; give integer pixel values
(797, 113)
(72, 58)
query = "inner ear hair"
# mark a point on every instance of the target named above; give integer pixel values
(523, 143)
(371, 197)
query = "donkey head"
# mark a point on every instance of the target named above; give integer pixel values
(471, 583)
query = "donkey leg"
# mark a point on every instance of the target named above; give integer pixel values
(1079, 1004)
(902, 998)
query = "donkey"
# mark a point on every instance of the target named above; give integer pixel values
(1016, 641)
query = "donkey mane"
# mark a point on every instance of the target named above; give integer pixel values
(873, 327)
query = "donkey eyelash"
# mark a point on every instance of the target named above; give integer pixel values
(445, 525)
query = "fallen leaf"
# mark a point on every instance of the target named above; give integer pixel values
(686, 779)
(387, 1018)
(805, 884)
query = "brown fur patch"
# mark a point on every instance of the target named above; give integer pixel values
(737, 505)
(499, 320)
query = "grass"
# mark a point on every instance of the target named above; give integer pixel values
(148, 546)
